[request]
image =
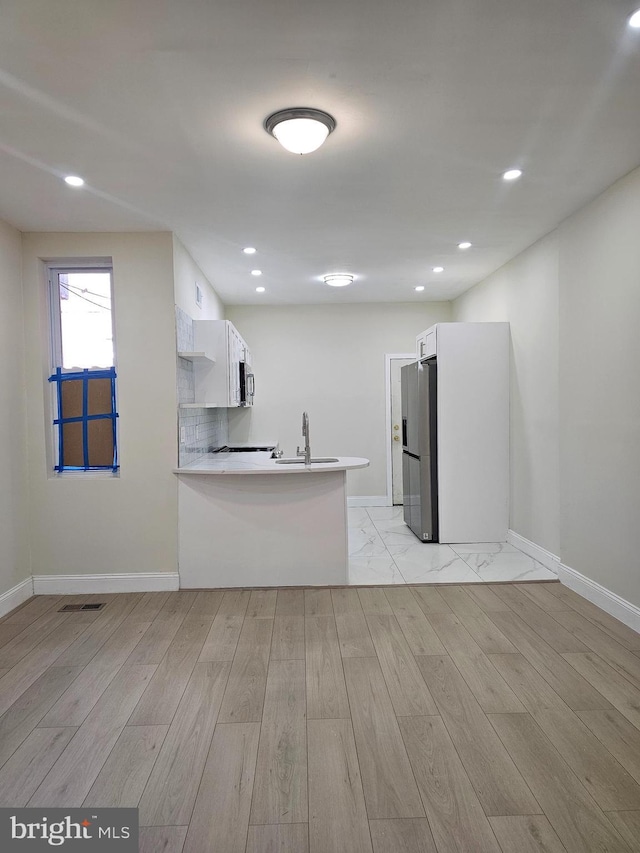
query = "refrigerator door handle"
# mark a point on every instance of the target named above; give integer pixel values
(404, 432)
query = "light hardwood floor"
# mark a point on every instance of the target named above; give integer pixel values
(450, 719)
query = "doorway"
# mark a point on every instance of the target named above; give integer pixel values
(393, 364)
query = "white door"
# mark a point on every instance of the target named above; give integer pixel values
(396, 428)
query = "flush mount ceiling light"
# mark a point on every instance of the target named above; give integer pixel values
(438, 269)
(512, 175)
(634, 20)
(74, 181)
(300, 130)
(465, 245)
(256, 272)
(260, 289)
(249, 250)
(338, 279)
(419, 287)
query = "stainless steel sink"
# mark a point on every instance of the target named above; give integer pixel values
(300, 460)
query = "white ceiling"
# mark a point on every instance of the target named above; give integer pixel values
(159, 105)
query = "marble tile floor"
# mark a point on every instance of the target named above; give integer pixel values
(382, 550)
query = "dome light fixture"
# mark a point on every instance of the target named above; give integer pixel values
(419, 288)
(249, 250)
(438, 269)
(338, 279)
(256, 272)
(74, 181)
(260, 289)
(512, 175)
(465, 245)
(300, 130)
(634, 20)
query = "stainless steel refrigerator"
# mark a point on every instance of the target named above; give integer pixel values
(419, 385)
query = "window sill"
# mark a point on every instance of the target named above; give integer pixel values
(84, 475)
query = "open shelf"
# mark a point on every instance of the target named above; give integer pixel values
(197, 356)
(200, 406)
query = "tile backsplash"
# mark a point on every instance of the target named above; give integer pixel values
(205, 429)
(184, 331)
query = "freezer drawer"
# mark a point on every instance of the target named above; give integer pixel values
(419, 500)
(411, 486)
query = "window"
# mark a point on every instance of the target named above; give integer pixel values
(82, 318)
(83, 377)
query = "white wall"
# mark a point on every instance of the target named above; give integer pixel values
(103, 524)
(329, 360)
(573, 301)
(14, 547)
(525, 293)
(186, 274)
(600, 389)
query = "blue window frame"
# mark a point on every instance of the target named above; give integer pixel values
(82, 447)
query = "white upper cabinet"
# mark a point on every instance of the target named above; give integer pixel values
(426, 343)
(218, 374)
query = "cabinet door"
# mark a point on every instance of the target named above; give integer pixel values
(426, 343)
(230, 366)
(238, 358)
(233, 345)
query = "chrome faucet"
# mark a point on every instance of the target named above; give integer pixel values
(305, 434)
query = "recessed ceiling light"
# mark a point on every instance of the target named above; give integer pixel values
(74, 181)
(419, 287)
(300, 130)
(256, 272)
(249, 250)
(260, 289)
(438, 269)
(464, 245)
(634, 20)
(341, 279)
(512, 174)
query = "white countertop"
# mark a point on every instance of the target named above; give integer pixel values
(261, 463)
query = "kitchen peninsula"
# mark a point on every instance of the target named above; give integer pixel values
(247, 519)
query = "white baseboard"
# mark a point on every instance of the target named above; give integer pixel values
(13, 597)
(131, 582)
(603, 598)
(368, 500)
(549, 561)
(594, 592)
